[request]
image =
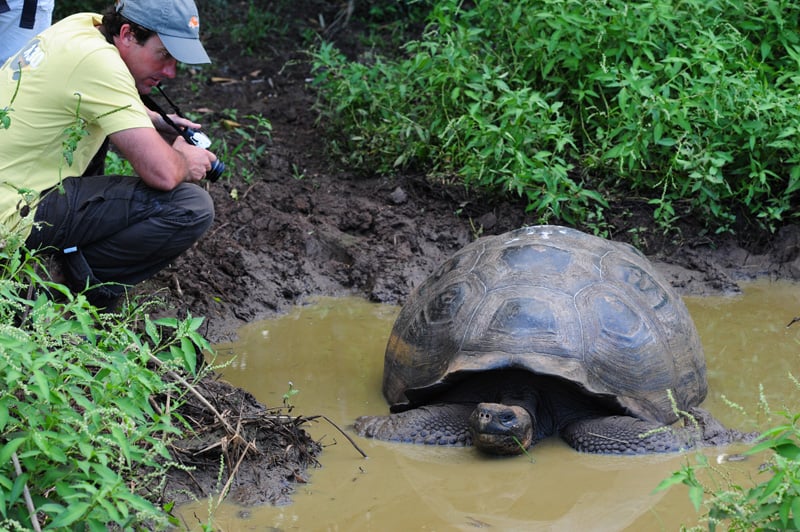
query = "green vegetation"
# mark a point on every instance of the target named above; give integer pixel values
(64, 8)
(5, 112)
(773, 503)
(86, 411)
(571, 104)
(241, 143)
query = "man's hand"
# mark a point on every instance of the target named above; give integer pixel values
(198, 160)
(159, 164)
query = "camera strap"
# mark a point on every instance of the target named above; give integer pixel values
(153, 106)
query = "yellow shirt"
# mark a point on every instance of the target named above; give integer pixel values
(69, 71)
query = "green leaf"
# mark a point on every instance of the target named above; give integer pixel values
(788, 450)
(43, 385)
(796, 512)
(167, 322)
(676, 478)
(195, 323)
(105, 474)
(772, 486)
(189, 354)
(19, 485)
(71, 514)
(122, 441)
(783, 512)
(56, 453)
(152, 331)
(696, 496)
(96, 525)
(3, 415)
(10, 448)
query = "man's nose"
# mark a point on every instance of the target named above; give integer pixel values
(170, 70)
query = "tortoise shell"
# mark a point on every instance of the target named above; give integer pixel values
(554, 301)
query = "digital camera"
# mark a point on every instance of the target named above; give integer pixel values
(192, 136)
(201, 140)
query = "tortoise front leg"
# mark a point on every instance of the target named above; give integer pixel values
(630, 435)
(446, 424)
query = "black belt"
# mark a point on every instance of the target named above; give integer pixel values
(28, 18)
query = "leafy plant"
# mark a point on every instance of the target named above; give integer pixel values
(291, 392)
(243, 144)
(86, 418)
(255, 27)
(116, 165)
(771, 504)
(691, 103)
(5, 112)
(73, 134)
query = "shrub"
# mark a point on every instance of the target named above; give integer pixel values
(86, 417)
(673, 102)
(771, 504)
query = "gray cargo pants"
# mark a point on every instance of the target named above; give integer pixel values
(117, 230)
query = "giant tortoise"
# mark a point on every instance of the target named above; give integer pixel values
(540, 331)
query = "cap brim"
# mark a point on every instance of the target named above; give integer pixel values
(189, 51)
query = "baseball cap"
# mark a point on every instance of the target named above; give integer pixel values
(176, 22)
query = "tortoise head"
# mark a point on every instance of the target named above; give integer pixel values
(501, 429)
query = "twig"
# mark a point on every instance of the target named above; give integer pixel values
(337, 427)
(26, 494)
(246, 192)
(217, 230)
(227, 486)
(197, 394)
(281, 418)
(177, 286)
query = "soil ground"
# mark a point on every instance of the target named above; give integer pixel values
(304, 227)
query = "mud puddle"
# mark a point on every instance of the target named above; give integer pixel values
(332, 353)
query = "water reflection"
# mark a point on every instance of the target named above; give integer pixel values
(332, 352)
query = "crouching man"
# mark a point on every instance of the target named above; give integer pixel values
(78, 85)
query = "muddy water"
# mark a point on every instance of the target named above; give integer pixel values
(332, 353)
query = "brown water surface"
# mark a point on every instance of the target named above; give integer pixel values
(332, 352)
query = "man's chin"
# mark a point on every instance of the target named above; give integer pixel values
(146, 88)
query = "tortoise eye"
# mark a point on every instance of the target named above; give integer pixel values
(507, 418)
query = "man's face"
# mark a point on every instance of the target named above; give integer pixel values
(149, 63)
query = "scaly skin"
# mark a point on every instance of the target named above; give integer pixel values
(524, 410)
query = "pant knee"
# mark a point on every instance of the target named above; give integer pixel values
(198, 204)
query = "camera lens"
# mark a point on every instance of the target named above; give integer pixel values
(217, 169)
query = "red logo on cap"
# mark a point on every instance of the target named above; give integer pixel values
(194, 23)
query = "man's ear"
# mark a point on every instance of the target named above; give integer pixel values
(126, 34)
(125, 39)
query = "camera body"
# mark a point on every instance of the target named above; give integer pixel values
(192, 136)
(201, 140)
